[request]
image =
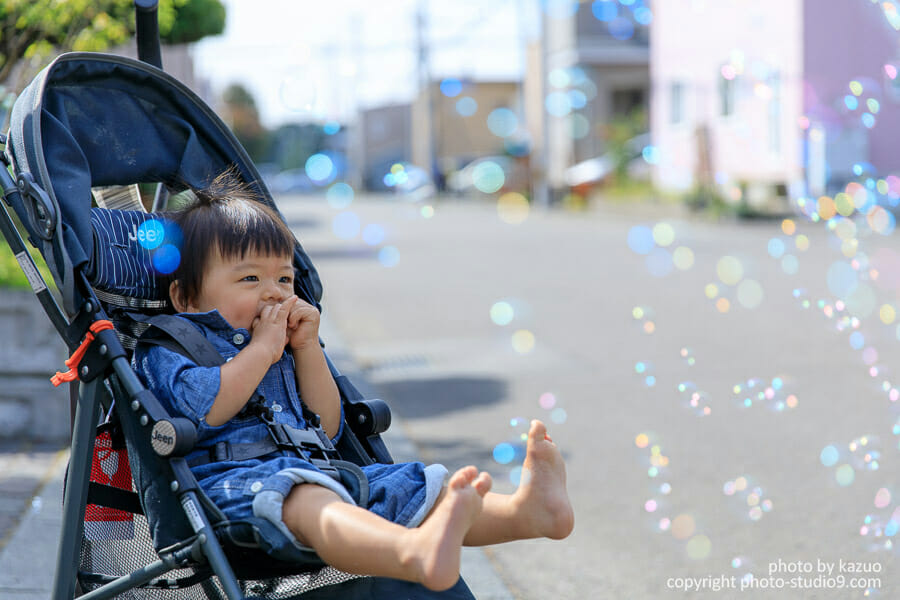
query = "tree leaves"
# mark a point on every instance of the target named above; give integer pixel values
(36, 30)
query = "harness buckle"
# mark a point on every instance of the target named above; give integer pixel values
(309, 444)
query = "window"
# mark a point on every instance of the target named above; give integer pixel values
(626, 101)
(676, 103)
(726, 93)
(775, 114)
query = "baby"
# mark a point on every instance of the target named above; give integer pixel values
(235, 283)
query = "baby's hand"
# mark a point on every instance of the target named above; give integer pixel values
(302, 325)
(269, 329)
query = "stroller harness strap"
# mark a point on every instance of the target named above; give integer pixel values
(74, 361)
(310, 444)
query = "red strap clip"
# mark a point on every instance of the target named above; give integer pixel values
(72, 362)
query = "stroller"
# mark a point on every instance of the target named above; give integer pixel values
(136, 524)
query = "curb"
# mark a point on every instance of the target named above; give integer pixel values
(28, 560)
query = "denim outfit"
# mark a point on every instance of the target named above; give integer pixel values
(402, 493)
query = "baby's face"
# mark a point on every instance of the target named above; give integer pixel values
(240, 288)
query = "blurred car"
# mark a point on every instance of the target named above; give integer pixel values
(410, 181)
(489, 174)
(598, 169)
(292, 181)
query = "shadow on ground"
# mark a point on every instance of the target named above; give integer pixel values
(425, 398)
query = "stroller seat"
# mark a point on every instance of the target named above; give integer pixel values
(136, 522)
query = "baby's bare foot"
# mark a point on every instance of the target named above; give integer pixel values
(542, 491)
(434, 547)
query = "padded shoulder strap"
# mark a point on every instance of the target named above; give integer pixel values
(176, 334)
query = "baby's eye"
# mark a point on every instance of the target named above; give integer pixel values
(286, 279)
(250, 278)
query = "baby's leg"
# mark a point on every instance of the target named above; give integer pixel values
(355, 540)
(540, 507)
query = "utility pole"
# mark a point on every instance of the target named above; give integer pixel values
(427, 148)
(540, 188)
(356, 135)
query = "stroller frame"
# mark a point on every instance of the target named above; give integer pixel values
(156, 441)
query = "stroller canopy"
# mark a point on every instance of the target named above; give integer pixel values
(98, 119)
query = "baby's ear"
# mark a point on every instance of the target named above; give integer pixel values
(176, 295)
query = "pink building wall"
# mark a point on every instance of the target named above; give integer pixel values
(844, 41)
(788, 57)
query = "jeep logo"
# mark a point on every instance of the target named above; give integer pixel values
(168, 440)
(162, 438)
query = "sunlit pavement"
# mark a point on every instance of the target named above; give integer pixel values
(411, 292)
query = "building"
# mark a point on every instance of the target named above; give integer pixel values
(765, 98)
(461, 120)
(597, 70)
(384, 138)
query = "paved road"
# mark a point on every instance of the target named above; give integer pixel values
(423, 332)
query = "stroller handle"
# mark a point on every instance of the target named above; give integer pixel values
(147, 32)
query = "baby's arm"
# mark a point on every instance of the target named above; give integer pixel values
(242, 375)
(314, 380)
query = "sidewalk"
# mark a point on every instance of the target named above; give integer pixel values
(28, 549)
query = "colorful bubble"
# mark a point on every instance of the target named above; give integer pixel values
(504, 453)
(502, 122)
(750, 293)
(523, 341)
(451, 87)
(788, 226)
(320, 168)
(730, 270)
(698, 547)
(466, 106)
(776, 248)
(373, 234)
(559, 416)
(789, 264)
(882, 498)
(166, 259)
(640, 239)
(502, 313)
(659, 262)
(641, 440)
(683, 258)
(151, 234)
(844, 475)
(389, 256)
(513, 208)
(663, 234)
(683, 526)
(605, 10)
(488, 177)
(547, 401)
(339, 195)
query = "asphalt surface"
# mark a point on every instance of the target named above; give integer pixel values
(414, 306)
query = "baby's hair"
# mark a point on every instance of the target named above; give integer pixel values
(230, 218)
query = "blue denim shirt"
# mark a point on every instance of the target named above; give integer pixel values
(402, 493)
(188, 390)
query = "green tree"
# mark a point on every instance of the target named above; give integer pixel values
(36, 30)
(242, 116)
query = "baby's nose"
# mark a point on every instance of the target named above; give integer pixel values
(272, 291)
